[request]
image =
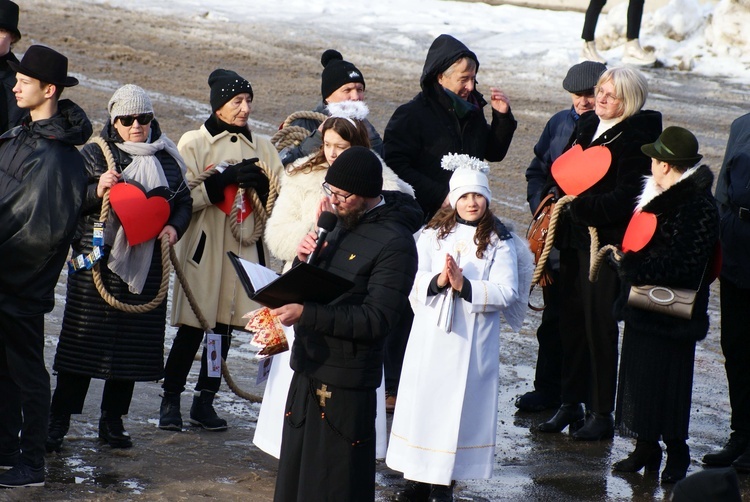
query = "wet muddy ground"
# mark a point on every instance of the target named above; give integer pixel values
(171, 58)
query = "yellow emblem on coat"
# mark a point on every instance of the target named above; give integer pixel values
(352, 256)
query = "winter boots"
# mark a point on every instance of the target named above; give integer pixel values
(170, 418)
(112, 431)
(202, 412)
(589, 53)
(635, 55)
(58, 427)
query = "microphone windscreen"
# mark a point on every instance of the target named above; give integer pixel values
(327, 221)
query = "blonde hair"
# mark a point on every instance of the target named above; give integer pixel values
(471, 65)
(630, 86)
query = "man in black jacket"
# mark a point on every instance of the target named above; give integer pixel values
(42, 185)
(10, 113)
(446, 117)
(328, 443)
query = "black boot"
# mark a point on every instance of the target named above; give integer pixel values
(742, 464)
(678, 461)
(536, 400)
(170, 418)
(413, 491)
(441, 493)
(736, 445)
(568, 414)
(58, 427)
(202, 412)
(598, 426)
(646, 454)
(112, 432)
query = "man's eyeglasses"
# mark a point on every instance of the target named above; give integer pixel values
(143, 119)
(330, 193)
(608, 98)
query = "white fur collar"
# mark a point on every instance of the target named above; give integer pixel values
(651, 190)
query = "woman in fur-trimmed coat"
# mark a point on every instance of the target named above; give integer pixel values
(294, 215)
(658, 350)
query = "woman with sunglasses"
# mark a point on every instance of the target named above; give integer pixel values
(98, 340)
(295, 214)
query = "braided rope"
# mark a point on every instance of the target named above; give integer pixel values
(96, 271)
(289, 135)
(597, 255)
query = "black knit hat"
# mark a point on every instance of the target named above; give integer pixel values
(583, 77)
(9, 17)
(676, 146)
(337, 72)
(357, 170)
(226, 84)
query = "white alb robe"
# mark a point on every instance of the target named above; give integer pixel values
(444, 426)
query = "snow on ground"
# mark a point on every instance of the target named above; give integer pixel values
(705, 38)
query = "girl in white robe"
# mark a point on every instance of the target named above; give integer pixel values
(444, 426)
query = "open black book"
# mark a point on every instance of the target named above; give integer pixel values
(302, 283)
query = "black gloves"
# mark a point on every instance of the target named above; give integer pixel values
(250, 175)
(229, 175)
(614, 258)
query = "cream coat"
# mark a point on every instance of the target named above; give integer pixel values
(213, 280)
(295, 211)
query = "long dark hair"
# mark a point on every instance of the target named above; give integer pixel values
(355, 133)
(445, 220)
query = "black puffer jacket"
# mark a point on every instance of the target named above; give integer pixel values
(426, 128)
(609, 204)
(342, 343)
(677, 255)
(42, 185)
(10, 113)
(96, 339)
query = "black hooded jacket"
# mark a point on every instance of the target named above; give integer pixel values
(10, 113)
(426, 128)
(42, 185)
(342, 343)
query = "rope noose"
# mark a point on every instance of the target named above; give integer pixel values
(165, 255)
(289, 135)
(597, 255)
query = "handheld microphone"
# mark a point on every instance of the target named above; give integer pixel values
(326, 223)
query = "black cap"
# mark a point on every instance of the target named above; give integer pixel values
(9, 17)
(357, 170)
(583, 77)
(226, 84)
(46, 65)
(337, 72)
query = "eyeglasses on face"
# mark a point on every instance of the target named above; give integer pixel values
(143, 119)
(330, 193)
(606, 97)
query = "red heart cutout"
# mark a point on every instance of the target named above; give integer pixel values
(640, 230)
(577, 170)
(142, 215)
(230, 194)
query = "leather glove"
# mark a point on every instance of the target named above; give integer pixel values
(229, 175)
(250, 175)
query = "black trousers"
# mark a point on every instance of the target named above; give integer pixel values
(182, 355)
(549, 356)
(635, 13)
(327, 451)
(71, 390)
(24, 387)
(588, 332)
(735, 344)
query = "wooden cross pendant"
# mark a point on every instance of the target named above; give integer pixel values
(323, 393)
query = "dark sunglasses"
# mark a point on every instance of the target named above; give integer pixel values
(143, 119)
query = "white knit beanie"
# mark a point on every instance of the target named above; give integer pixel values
(129, 100)
(468, 177)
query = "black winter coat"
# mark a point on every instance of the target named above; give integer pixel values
(42, 185)
(96, 339)
(342, 343)
(678, 255)
(426, 128)
(609, 204)
(10, 113)
(733, 195)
